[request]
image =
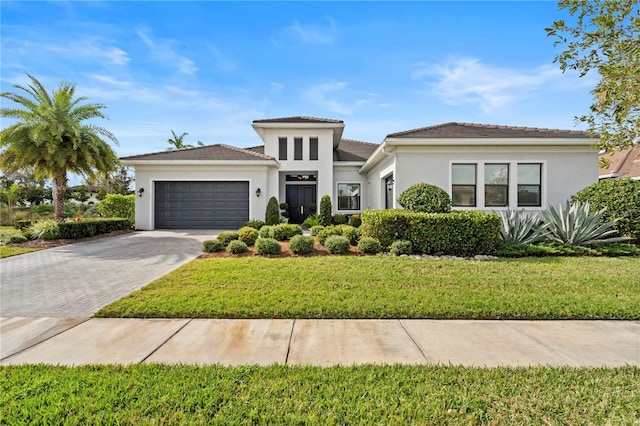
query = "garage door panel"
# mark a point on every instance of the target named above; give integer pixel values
(201, 205)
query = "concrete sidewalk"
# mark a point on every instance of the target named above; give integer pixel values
(77, 341)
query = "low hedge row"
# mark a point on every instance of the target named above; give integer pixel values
(463, 233)
(91, 227)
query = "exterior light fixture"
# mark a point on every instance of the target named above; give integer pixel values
(140, 191)
(258, 192)
(390, 185)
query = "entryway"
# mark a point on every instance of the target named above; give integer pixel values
(299, 197)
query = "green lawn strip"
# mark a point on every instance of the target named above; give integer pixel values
(389, 287)
(160, 394)
(14, 251)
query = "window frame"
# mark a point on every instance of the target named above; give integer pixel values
(473, 187)
(283, 146)
(487, 187)
(298, 150)
(352, 198)
(538, 185)
(313, 148)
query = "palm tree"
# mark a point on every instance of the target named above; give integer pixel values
(177, 142)
(52, 135)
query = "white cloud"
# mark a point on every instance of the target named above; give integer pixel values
(313, 34)
(325, 95)
(164, 51)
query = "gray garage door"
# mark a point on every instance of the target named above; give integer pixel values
(201, 205)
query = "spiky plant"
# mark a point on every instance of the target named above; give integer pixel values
(576, 225)
(518, 227)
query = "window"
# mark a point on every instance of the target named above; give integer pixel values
(297, 148)
(529, 185)
(313, 148)
(348, 196)
(282, 153)
(496, 185)
(463, 185)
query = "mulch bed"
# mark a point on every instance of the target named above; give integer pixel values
(46, 244)
(319, 250)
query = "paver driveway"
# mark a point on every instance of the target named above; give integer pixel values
(78, 279)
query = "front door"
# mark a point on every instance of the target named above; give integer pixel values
(298, 198)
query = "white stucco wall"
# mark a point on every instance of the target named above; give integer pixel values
(376, 186)
(257, 176)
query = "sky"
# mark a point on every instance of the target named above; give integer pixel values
(210, 68)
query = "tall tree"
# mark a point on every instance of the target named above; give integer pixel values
(605, 36)
(51, 133)
(177, 142)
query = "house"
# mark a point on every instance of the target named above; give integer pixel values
(482, 167)
(621, 164)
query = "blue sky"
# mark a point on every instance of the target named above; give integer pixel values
(210, 68)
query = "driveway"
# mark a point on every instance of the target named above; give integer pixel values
(78, 279)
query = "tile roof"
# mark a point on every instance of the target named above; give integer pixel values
(352, 150)
(298, 119)
(625, 163)
(471, 130)
(210, 152)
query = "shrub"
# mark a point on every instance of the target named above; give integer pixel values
(355, 220)
(369, 245)
(211, 246)
(400, 247)
(316, 229)
(248, 235)
(236, 247)
(71, 209)
(621, 197)
(23, 224)
(301, 244)
(518, 227)
(337, 244)
(227, 236)
(425, 198)
(255, 224)
(284, 231)
(266, 231)
(339, 219)
(45, 229)
(91, 227)
(17, 239)
(312, 220)
(352, 234)
(284, 209)
(117, 205)
(576, 225)
(272, 215)
(325, 210)
(326, 233)
(43, 209)
(267, 246)
(461, 233)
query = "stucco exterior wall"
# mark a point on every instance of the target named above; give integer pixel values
(376, 185)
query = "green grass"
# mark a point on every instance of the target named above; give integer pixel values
(385, 395)
(14, 251)
(390, 287)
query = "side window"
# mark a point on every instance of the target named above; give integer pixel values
(529, 185)
(282, 148)
(313, 148)
(463, 185)
(496, 185)
(297, 148)
(348, 196)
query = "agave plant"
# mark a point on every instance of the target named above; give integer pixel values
(518, 227)
(575, 225)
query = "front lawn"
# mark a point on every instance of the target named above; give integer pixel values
(14, 251)
(385, 395)
(391, 287)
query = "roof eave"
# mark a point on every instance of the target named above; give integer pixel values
(140, 162)
(491, 141)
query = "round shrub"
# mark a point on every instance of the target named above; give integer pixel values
(266, 231)
(284, 231)
(227, 236)
(621, 197)
(339, 219)
(17, 239)
(400, 247)
(352, 234)
(316, 229)
(355, 220)
(248, 235)
(211, 246)
(255, 224)
(337, 244)
(369, 245)
(425, 198)
(236, 247)
(301, 244)
(272, 215)
(267, 246)
(327, 232)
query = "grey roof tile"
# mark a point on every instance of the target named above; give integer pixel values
(352, 150)
(216, 152)
(471, 130)
(298, 119)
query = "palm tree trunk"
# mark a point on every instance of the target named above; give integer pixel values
(60, 183)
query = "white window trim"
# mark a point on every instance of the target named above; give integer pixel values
(360, 184)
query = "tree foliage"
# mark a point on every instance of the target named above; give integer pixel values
(425, 198)
(117, 205)
(52, 135)
(604, 36)
(272, 215)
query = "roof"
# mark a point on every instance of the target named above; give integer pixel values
(352, 150)
(455, 130)
(298, 119)
(625, 163)
(216, 152)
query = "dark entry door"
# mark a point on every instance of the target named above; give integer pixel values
(298, 198)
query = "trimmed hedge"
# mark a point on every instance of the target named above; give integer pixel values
(226, 237)
(91, 227)
(236, 247)
(401, 247)
(369, 245)
(267, 246)
(337, 244)
(212, 246)
(460, 233)
(301, 244)
(248, 235)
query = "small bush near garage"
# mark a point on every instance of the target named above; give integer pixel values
(401, 247)
(267, 246)
(266, 231)
(237, 247)
(316, 229)
(301, 244)
(90, 227)
(248, 235)
(339, 219)
(355, 221)
(463, 233)
(285, 231)
(369, 245)
(337, 244)
(425, 198)
(117, 205)
(255, 224)
(272, 215)
(227, 236)
(212, 246)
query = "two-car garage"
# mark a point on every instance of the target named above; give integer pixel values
(201, 204)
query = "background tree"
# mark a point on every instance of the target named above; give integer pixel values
(51, 134)
(177, 142)
(605, 37)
